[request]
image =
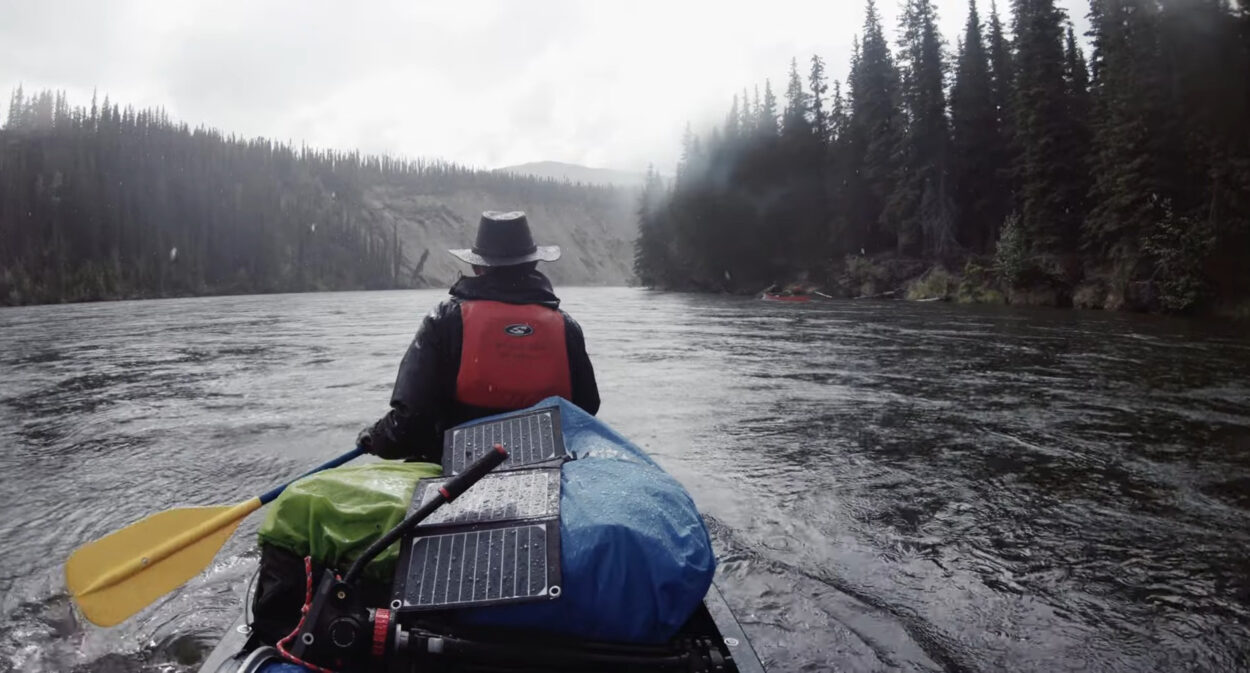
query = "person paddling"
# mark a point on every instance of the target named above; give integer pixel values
(499, 343)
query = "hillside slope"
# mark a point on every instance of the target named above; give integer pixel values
(595, 233)
(575, 173)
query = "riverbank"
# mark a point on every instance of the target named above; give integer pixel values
(976, 280)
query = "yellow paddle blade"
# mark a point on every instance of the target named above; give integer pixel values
(123, 572)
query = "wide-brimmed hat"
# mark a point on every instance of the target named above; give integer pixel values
(504, 239)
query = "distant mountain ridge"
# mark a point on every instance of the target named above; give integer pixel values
(557, 170)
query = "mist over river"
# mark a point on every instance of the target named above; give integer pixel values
(890, 486)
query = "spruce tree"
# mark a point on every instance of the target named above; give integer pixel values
(732, 122)
(1002, 77)
(1077, 100)
(920, 205)
(768, 111)
(820, 88)
(650, 260)
(838, 117)
(842, 240)
(1050, 167)
(685, 165)
(976, 137)
(1206, 45)
(796, 125)
(1076, 76)
(802, 209)
(757, 112)
(875, 134)
(747, 120)
(1127, 192)
(1152, 217)
(17, 108)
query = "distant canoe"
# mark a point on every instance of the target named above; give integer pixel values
(768, 296)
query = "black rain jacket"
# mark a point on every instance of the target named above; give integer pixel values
(424, 403)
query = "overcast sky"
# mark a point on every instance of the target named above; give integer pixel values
(488, 83)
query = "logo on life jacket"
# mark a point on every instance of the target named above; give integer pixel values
(518, 330)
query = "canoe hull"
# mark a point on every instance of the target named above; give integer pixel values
(238, 652)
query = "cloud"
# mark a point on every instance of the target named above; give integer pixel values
(484, 82)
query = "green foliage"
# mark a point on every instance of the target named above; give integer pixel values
(1032, 158)
(864, 277)
(978, 284)
(1170, 99)
(1011, 255)
(1239, 312)
(936, 283)
(1179, 248)
(1091, 295)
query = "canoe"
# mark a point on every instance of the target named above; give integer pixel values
(768, 296)
(712, 641)
(430, 630)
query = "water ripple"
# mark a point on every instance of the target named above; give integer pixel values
(891, 487)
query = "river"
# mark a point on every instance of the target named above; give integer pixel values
(890, 486)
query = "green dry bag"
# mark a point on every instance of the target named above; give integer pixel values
(335, 515)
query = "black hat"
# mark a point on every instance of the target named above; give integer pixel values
(504, 239)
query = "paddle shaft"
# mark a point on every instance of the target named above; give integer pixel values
(187, 537)
(269, 496)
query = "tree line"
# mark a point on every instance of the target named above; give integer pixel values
(1125, 173)
(107, 202)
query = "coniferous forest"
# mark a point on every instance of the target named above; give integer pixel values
(109, 202)
(1008, 167)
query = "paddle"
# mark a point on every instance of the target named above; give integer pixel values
(123, 572)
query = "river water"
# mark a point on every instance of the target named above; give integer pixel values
(890, 486)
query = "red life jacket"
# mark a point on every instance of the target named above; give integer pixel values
(512, 355)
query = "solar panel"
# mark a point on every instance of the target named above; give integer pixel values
(499, 496)
(499, 542)
(531, 438)
(483, 565)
